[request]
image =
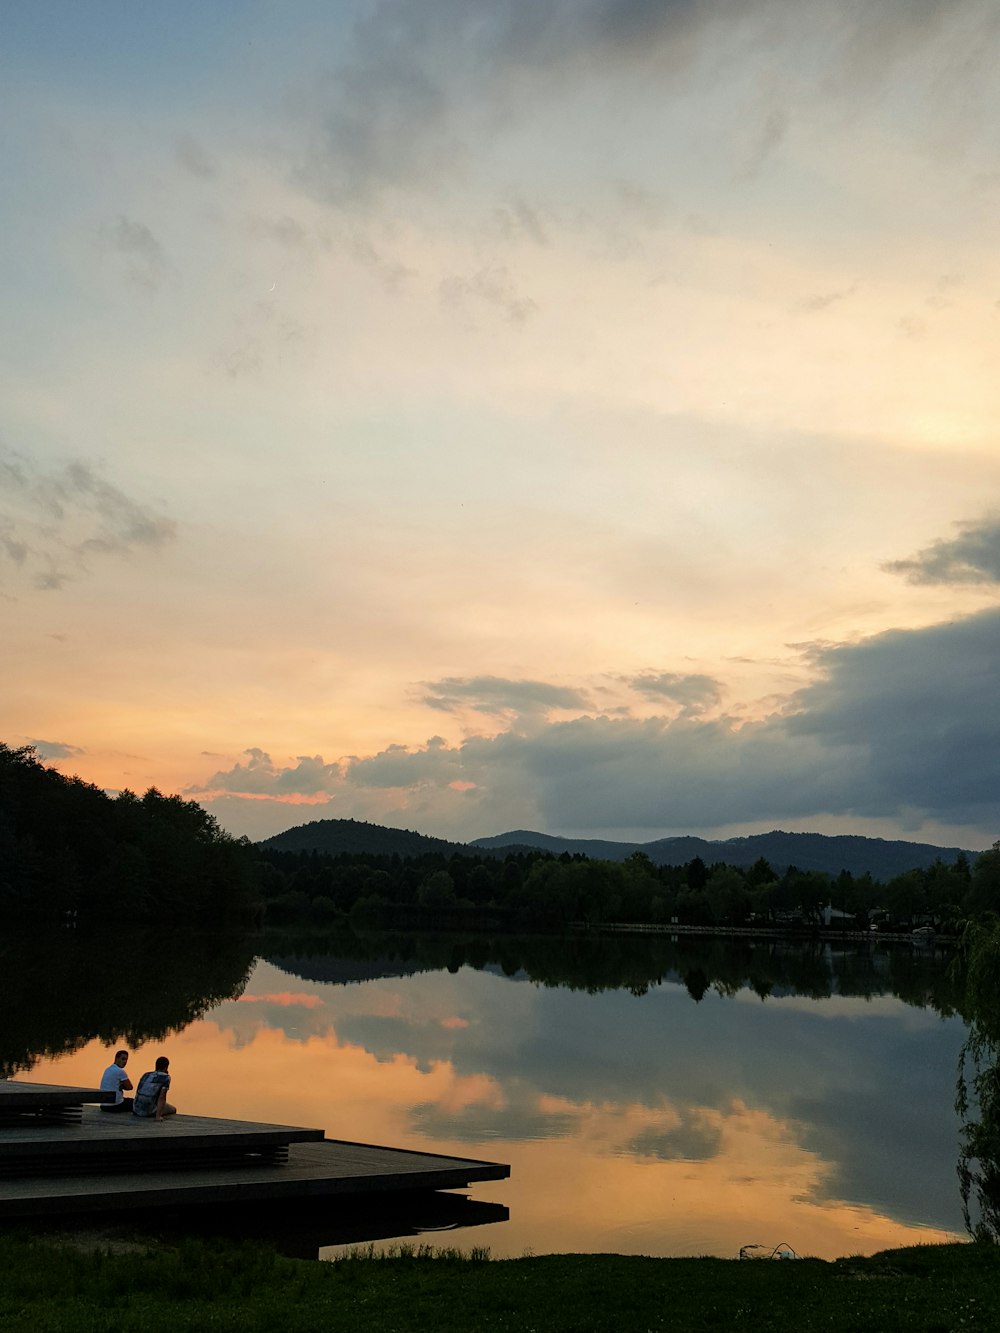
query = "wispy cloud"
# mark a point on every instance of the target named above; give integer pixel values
(416, 83)
(494, 695)
(971, 557)
(55, 749)
(492, 286)
(192, 154)
(145, 261)
(694, 692)
(56, 521)
(811, 305)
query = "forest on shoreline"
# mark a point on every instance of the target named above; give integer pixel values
(70, 851)
(540, 891)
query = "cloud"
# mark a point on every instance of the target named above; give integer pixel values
(55, 522)
(824, 300)
(694, 692)
(195, 158)
(55, 749)
(146, 262)
(902, 725)
(771, 135)
(260, 776)
(417, 82)
(492, 286)
(696, 1138)
(970, 558)
(496, 696)
(520, 219)
(434, 765)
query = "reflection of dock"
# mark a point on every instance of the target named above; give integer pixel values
(60, 1155)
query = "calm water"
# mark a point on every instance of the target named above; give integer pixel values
(651, 1098)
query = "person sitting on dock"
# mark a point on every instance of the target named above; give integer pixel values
(114, 1079)
(151, 1094)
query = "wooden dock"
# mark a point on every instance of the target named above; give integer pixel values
(101, 1163)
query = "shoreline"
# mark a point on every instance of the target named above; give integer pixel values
(53, 1285)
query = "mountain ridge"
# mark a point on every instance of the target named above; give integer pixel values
(831, 853)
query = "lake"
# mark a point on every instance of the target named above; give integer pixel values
(652, 1096)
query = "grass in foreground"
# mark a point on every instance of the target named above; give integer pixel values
(48, 1287)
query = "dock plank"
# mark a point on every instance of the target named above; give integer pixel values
(19, 1097)
(313, 1170)
(125, 1134)
(116, 1163)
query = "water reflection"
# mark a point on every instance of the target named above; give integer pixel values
(978, 1089)
(799, 1100)
(68, 989)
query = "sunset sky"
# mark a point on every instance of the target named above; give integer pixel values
(469, 415)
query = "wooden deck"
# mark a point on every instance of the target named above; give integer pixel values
(29, 1096)
(103, 1142)
(114, 1163)
(45, 1103)
(313, 1171)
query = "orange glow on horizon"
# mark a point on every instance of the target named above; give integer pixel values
(289, 798)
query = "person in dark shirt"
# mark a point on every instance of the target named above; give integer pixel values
(150, 1102)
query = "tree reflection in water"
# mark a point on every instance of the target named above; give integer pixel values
(67, 988)
(978, 1093)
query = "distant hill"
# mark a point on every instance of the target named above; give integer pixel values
(348, 971)
(598, 849)
(355, 836)
(809, 851)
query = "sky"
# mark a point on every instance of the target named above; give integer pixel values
(581, 416)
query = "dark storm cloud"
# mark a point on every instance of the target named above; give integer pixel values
(902, 725)
(918, 708)
(54, 522)
(973, 556)
(494, 694)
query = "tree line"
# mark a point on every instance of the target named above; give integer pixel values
(544, 891)
(68, 849)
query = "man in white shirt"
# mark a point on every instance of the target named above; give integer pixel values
(114, 1079)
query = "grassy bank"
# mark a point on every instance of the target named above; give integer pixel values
(48, 1286)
